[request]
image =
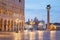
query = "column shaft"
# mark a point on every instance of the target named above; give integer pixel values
(13, 25)
(10, 26)
(2, 25)
(6, 25)
(48, 19)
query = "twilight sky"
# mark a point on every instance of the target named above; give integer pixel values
(37, 8)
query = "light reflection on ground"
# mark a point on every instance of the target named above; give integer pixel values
(35, 35)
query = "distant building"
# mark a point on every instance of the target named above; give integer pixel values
(36, 21)
(35, 24)
(57, 26)
(41, 25)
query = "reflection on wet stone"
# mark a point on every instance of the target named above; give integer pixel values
(57, 35)
(46, 35)
(52, 35)
(35, 35)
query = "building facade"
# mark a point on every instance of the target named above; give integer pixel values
(11, 15)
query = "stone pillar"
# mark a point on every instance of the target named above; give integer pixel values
(48, 16)
(18, 26)
(21, 26)
(13, 26)
(2, 25)
(6, 25)
(10, 26)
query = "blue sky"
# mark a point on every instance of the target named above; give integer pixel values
(37, 8)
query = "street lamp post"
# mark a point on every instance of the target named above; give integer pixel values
(48, 16)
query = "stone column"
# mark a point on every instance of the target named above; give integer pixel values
(10, 26)
(18, 26)
(48, 16)
(6, 25)
(21, 26)
(2, 25)
(13, 25)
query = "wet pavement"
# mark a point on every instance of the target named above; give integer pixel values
(28, 35)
